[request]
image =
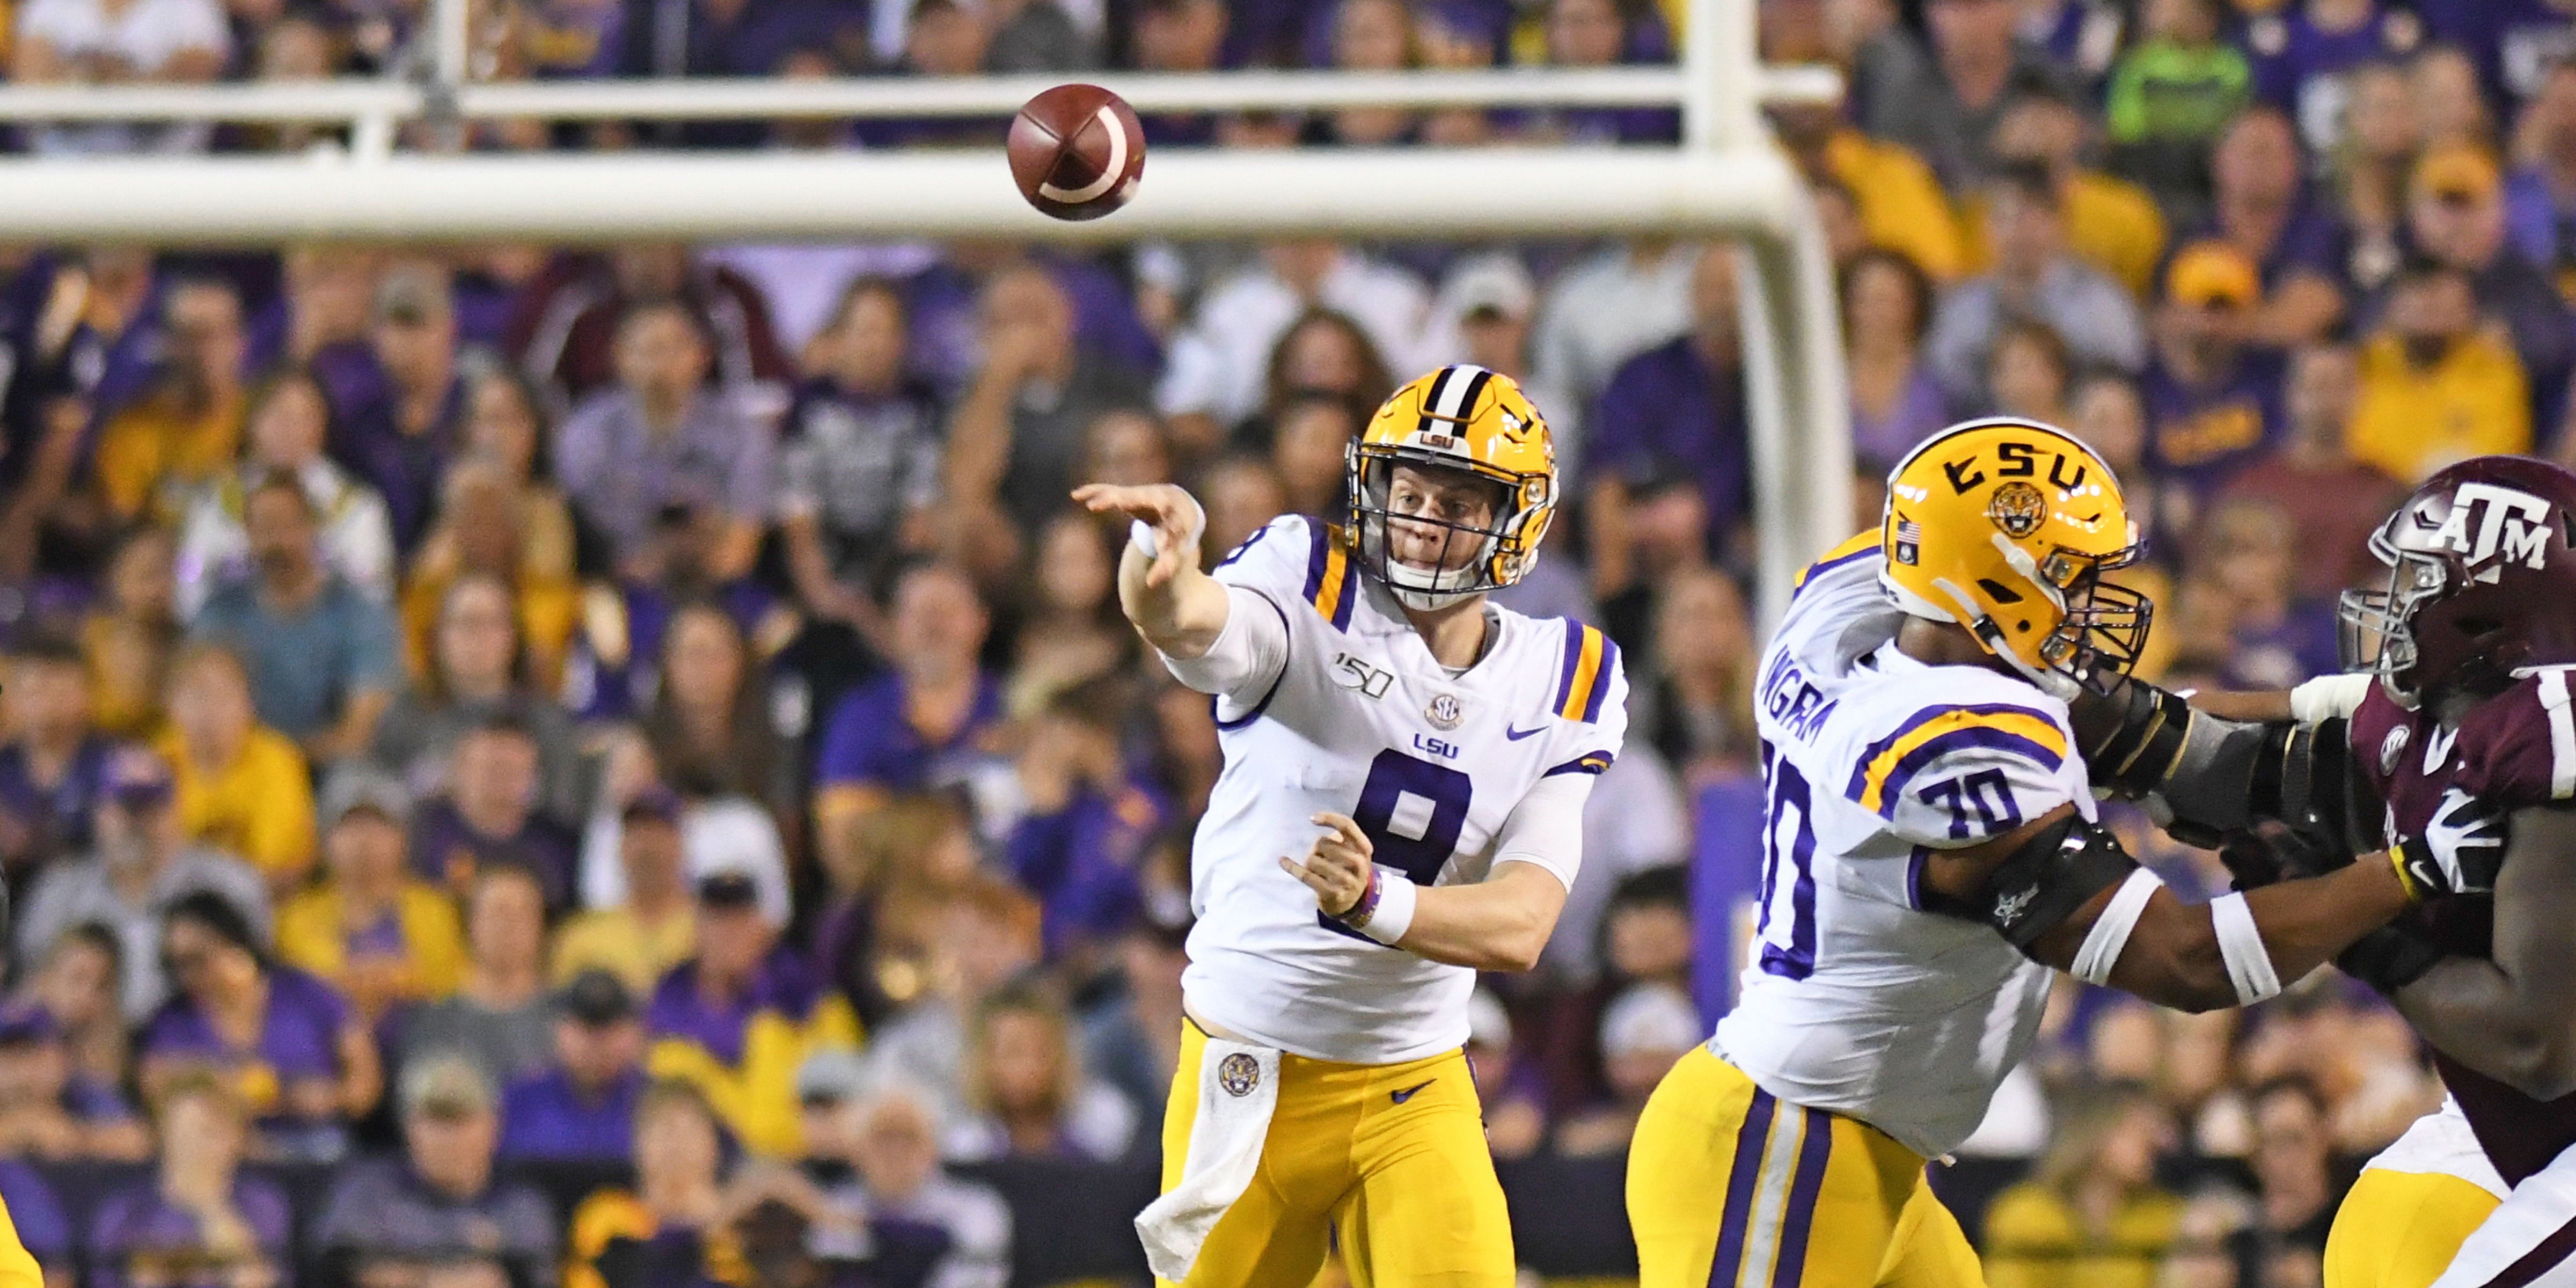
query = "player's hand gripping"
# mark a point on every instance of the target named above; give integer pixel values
(1337, 868)
(1173, 515)
(2460, 852)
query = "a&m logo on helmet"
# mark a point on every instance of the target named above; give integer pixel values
(2018, 509)
(2487, 527)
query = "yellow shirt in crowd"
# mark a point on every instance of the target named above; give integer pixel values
(1898, 201)
(2111, 224)
(615, 940)
(2034, 1239)
(313, 935)
(150, 451)
(259, 807)
(2474, 402)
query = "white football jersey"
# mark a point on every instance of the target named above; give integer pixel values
(1362, 720)
(1858, 1001)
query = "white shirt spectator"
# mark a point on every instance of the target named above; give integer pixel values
(1602, 312)
(144, 35)
(357, 533)
(1219, 361)
(728, 834)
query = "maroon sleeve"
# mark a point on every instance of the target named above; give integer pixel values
(2519, 748)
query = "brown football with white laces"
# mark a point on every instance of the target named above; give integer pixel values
(1077, 152)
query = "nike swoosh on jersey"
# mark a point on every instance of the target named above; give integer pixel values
(1517, 734)
(1400, 1097)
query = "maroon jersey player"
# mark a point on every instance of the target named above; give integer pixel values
(2467, 731)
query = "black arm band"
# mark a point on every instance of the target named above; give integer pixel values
(2045, 881)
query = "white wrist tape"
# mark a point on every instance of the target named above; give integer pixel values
(2240, 942)
(1395, 899)
(2329, 697)
(2110, 933)
(1141, 533)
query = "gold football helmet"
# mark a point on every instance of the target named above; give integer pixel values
(2005, 527)
(1466, 419)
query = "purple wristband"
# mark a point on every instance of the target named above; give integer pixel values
(1358, 914)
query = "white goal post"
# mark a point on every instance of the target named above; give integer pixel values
(1727, 179)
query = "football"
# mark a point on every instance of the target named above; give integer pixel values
(1077, 151)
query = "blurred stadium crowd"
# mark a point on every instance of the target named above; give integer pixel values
(621, 767)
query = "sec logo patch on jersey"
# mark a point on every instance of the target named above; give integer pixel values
(1444, 711)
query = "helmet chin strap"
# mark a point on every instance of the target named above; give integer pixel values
(1988, 633)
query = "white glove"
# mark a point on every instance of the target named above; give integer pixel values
(2329, 697)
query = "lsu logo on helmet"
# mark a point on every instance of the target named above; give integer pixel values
(2005, 527)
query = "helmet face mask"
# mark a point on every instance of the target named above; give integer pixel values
(2371, 631)
(2105, 629)
(1397, 517)
(1456, 433)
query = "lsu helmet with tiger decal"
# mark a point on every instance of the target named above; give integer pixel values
(1468, 420)
(2006, 526)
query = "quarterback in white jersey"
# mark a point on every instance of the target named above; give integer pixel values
(1931, 853)
(1406, 765)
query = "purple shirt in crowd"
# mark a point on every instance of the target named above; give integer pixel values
(1081, 861)
(1667, 410)
(546, 1119)
(299, 1039)
(784, 985)
(870, 743)
(448, 850)
(623, 475)
(138, 1224)
(2199, 437)
(56, 815)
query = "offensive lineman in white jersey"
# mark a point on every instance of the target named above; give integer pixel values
(1931, 853)
(1401, 806)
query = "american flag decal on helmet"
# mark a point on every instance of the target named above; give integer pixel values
(1909, 541)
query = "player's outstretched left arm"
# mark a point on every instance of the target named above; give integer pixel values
(1500, 923)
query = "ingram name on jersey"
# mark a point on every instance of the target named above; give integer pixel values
(1364, 721)
(1858, 1001)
